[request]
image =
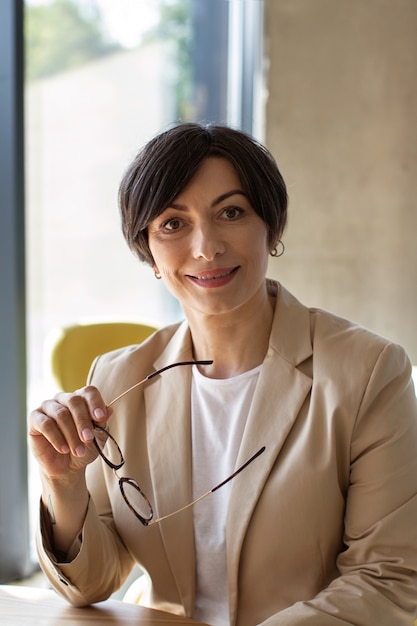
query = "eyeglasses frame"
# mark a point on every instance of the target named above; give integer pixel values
(148, 521)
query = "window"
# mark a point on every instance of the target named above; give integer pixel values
(101, 79)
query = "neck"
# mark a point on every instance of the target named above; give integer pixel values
(236, 342)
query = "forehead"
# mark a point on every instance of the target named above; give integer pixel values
(215, 175)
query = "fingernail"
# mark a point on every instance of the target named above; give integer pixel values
(65, 449)
(87, 434)
(99, 414)
(80, 450)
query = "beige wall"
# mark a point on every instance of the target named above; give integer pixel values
(342, 123)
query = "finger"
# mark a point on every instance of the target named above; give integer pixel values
(98, 410)
(44, 426)
(70, 416)
(67, 420)
(87, 407)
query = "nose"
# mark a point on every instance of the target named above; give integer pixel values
(207, 242)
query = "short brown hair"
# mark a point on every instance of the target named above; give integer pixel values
(163, 168)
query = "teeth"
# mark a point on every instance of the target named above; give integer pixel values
(211, 277)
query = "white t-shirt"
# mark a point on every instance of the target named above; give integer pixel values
(219, 410)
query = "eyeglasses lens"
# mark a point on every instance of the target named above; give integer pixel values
(136, 499)
(108, 448)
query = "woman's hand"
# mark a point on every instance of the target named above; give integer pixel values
(61, 431)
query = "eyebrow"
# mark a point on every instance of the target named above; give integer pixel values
(215, 202)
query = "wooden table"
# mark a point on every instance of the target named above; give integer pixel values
(31, 606)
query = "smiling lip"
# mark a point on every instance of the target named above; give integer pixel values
(214, 278)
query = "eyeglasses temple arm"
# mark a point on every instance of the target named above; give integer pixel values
(239, 469)
(167, 367)
(190, 504)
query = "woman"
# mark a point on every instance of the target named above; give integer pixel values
(320, 527)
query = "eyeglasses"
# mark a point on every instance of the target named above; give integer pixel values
(111, 454)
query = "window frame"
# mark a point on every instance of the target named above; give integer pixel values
(14, 507)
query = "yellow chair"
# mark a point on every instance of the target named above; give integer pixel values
(75, 347)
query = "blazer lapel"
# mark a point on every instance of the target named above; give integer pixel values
(281, 390)
(169, 437)
(279, 396)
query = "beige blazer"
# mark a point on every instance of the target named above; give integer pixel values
(322, 527)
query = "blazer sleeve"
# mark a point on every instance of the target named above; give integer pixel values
(97, 564)
(378, 567)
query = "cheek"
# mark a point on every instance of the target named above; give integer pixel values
(167, 260)
(262, 260)
(261, 256)
(259, 243)
(160, 253)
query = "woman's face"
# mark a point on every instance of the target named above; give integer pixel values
(210, 246)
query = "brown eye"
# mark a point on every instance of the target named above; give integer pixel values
(232, 212)
(172, 224)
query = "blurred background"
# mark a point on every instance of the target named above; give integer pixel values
(330, 88)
